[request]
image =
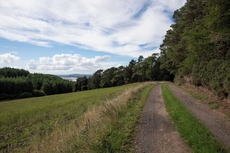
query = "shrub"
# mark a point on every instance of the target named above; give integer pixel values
(25, 95)
(12, 96)
(38, 93)
(4, 96)
(214, 75)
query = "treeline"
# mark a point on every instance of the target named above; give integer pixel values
(198, 45)
(144, 69)
(19, 83)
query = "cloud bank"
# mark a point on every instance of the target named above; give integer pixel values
(8, 58)
(130, 27)
(69, 63)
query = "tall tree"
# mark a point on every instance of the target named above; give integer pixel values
(96, 79)
(128, 71)
(107, 77)
(118, 78)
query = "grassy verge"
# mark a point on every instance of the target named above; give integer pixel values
(202, 97)
(114, 131)
(197, 96)
(30, 125)
(195, 134)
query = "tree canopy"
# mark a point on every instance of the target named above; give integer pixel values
(198, 44)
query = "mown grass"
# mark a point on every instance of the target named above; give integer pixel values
(28, 122)
(114, 132)
(195, 134)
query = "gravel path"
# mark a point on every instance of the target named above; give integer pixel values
(214, 121)
(156, 132)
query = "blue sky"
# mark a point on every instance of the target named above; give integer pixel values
(81, 36)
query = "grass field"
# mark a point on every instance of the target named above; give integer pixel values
(195, 134)
(56, 123)
(115, 131)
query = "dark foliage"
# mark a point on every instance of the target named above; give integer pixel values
(25, 95)
(18, 83)
(12, 72)
(198, 45)
(144, 69)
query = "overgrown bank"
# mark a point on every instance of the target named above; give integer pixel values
(208, 97)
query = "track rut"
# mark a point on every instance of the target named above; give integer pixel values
(156, 132)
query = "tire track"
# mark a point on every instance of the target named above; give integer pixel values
(214, 121)
(156, 133)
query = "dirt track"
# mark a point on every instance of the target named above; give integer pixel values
(156, 133)
(214, 121)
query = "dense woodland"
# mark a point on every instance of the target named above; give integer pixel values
(195, 49)
(144, 69)
(197, 46)
(19, 83)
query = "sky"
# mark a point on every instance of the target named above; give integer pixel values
(81, 36)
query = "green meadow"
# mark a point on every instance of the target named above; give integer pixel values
(61, 122)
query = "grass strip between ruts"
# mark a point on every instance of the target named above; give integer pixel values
(195, 134)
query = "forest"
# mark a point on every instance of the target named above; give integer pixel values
(144, 69)
(19, 83)
(197, 48)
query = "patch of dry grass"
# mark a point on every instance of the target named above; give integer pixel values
(64, 139)
(45, 124)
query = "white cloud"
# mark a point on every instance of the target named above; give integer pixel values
(8, 58)
(117, 27)
(69, 63)
(44, 60)
(31, 65)
(170, 5)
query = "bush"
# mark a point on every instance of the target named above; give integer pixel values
(38, 93)
(12, 96)
(214, 74)
(227, 83)
(25, 95)
(4, 96)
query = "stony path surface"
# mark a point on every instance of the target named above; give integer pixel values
(156, 132)
(216, 122)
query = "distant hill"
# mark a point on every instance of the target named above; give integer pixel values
(73, 77)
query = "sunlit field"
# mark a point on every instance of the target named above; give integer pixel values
(49, 123)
